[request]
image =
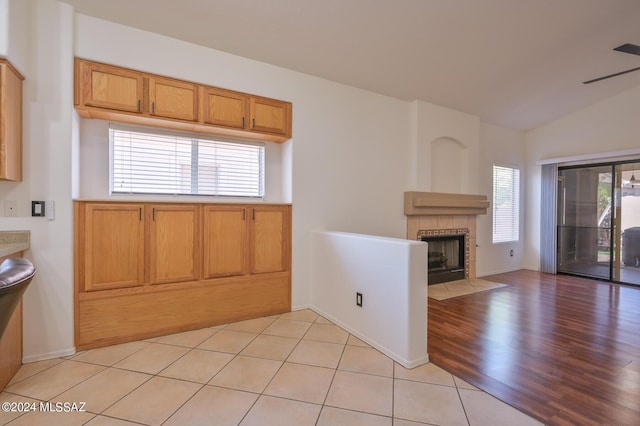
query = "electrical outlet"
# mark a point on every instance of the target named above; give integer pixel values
(10, 208)
(511, 253)
(359, 299)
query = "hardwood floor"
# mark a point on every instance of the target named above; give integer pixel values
(563, 349)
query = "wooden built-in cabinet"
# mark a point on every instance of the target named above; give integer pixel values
(110, 87)
(267, 231)
(120, 94)
(11, 342)
(10, 122)
(225, 241)
(268, 115)
(225, 108)
(173, 99)
(114, 246)
(148, 269)
(242, 240)
(174, 243)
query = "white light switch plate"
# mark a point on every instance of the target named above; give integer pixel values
(50, 209)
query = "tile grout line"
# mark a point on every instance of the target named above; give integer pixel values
(335, 372)
(464, 410)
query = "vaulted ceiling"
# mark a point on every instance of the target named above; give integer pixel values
(514, 63)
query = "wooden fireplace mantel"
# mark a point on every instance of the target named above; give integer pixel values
(443, 204)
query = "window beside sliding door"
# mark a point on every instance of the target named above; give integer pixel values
(599, 222)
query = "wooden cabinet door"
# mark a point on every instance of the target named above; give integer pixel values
(114, 246)
(225, 108)
(173, 99)
(224, 241)
(111, 87)
(270, 115)
(269, 236)
(10, 123)
(174, 244)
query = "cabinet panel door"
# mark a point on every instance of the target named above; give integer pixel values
(268, 239)
(270, 115)
(173, 99)
(174, 243)
(225, 108)
(10, 123)
(224, 241)
(114, 246)
(112, 87)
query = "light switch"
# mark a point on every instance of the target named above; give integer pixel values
(51, 210)
(37, 208)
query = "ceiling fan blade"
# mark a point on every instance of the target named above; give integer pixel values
(611, 75)
(630, 48)
(633, 49)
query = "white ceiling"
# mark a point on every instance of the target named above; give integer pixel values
(514, 63)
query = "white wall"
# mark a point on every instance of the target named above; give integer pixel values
(4, 28)
(352, 155)
(461, 146)
(47, 95)
(391, 275)
(502, 147)
(18, 34)
(14, 32)
(609, 125)
(349, 152)
(433, 124)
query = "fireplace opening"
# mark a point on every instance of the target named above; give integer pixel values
(447, 257)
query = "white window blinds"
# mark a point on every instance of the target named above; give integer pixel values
(506, 204)
(154, 163)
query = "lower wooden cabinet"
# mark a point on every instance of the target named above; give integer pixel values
(267, 236)
(241, 240)
(11, 342)
(148, 269)
(225, 241)
(174, 243)
(113, 246)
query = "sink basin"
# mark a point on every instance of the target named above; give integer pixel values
(15, 276)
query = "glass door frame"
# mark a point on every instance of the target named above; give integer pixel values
(615, 228)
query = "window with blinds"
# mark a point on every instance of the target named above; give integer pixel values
(157, 163)
(506, 204)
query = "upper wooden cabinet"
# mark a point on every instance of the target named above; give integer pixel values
(173, 99)
(10, 122)
(225, 108)
(110, 87)
(119, 94)
(270, 115)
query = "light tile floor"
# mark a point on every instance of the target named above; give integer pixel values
(457, 288)
(291, 369)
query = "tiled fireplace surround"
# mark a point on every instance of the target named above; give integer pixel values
(445, 213)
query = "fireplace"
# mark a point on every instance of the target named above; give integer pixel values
(435, 215)
(448, 254)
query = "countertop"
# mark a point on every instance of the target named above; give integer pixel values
(13, 242)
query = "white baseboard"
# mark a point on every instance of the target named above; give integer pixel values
(49, 355)
(406, 363)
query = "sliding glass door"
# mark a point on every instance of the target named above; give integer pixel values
(599, 221)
